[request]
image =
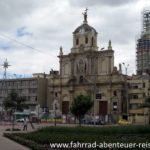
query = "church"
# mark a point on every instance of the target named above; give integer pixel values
(88, 70)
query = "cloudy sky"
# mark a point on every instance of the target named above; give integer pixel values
(32, 31)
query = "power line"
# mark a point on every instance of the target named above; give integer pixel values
(25, 45)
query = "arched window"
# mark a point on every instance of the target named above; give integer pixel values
(81, 79)
(56, 94)
(86, 40)
(92, 41)
(77, 41)
(85, 67)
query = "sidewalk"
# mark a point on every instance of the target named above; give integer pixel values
(7, 144)
(4, 126)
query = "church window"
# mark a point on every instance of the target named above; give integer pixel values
(92, 41)
(114, 106)
(85, 67)
(55, 94)
(115, 93)
(98, 96)
(81, 79)
(86, 40)
(77, 41)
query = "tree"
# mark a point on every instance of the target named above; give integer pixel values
(146, 103)
(14, 102)
(80, 106)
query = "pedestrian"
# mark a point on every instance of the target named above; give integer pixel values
(25, 124)
(30, 121)
(32, 124)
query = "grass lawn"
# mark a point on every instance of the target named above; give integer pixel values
(41, 139)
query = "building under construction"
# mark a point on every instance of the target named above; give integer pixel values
(143, 46)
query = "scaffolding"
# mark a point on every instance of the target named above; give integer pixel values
(146, 21)
(143, 46)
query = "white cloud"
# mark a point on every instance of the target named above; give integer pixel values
(110, 3)
(51, 24)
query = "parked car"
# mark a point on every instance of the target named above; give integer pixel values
(21, 120)
(85, 121)
(96, 122)
(124, 122)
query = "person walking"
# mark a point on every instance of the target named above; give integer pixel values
(25, 124)
(32, 124)
(30, 121)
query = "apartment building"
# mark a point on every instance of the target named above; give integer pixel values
(33, 89)
(138, 91)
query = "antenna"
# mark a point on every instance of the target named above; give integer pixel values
(3, 89)
(5, 66)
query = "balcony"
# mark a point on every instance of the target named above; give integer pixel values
(138, 111)
(139, 90)
(136, 101)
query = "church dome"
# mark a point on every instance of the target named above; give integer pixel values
(84, 37)
(84, 28)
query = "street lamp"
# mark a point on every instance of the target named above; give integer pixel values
(1, 105)
(13, 117)
(126, 67)
(94, 88)
(126, 88)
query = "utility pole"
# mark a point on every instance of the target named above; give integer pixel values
(55, 114)
(94, 85)
(5, 66)
(4, 90)
(126, 89)
(110, 104)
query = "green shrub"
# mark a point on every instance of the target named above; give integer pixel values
(44, 136)
(99, 130)
(14, 129)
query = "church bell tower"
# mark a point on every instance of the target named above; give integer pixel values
(84, 37)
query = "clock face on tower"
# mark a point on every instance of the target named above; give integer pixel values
(81, 31)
